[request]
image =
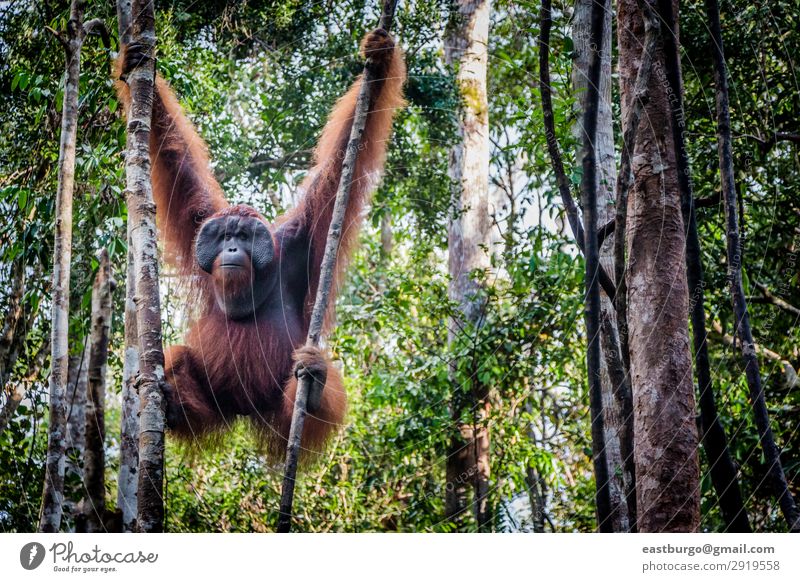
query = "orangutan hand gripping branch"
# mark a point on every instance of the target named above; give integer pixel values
(257, 281)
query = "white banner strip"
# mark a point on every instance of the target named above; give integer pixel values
(436, 557)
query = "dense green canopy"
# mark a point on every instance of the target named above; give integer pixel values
(258, 78)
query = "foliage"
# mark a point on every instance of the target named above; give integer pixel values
(257, 78)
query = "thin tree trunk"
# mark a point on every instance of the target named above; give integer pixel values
(614, 419)
(15, 394)
(53, 492)
(667, 471)
(78, 379)
(327, 272)
(387, 239)
(466, 51)
(771, 452)
(723, 471)
(10, 336)
(589, 182)
(94, 464)
(124, 21)
(142, 215)
(13, 397)
(563, 183)
(127, 481)
(537, 489)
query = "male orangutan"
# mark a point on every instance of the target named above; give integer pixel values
(257, 281)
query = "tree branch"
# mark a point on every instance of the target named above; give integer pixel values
(769, 297)
(293, 160)
(59, 37)
(709, 201)
(97, 26)
(769, 448)
(790, 374)
(605, 231)
(326, 279)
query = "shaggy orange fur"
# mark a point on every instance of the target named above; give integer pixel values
(227, 367)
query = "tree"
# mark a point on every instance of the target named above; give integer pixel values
(53, 493)
(94, 464)
(142, 213)
(613, 378)
(466, 51)
(667, 472)
(735, 260)
(78, 380)
(129, 426)
(722, 469)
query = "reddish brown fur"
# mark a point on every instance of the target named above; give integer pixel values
(323, 180)
(229, 368)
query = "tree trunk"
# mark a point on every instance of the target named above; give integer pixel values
(10, 336)
(124, 21)
(15, 394)
(127, 480)
(613, 418)
(723, 471)
(12, 398)
(537, 488)
(667, 471)
(589, 182)
(94, 464)
(466, 51)
(387, 238)
(770, 449)
(53, 492)
(78, 379)
(142, 215)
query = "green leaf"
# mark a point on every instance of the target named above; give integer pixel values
(569, 46)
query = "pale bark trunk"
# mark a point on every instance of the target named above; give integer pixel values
(466, 50)
(53, 492)
(142, 215)
(667, 471)
(387, 238)
(124, 21)
(613, 419)
(94, 456)
(127, 481)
